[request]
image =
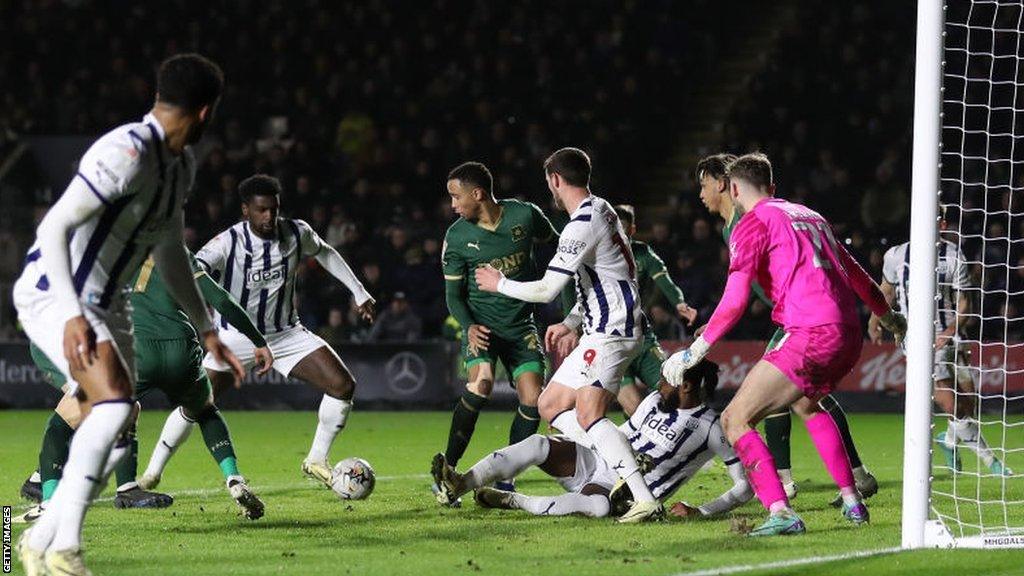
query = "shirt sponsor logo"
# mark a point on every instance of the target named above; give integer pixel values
(571, 247)
(511, 264)
(265, 278)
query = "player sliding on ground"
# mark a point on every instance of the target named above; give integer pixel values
(256, 261)
(673, 431)
(714, 194)
(815, 283)
(169, 358)
(494, 327)
(124, 203)
(594, 250)
(954, 392)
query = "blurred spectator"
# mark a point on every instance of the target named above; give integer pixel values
(397, 323)
(335, 332)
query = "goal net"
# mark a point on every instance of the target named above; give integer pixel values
(977, 433)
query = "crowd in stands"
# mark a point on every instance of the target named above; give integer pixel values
(361, 108)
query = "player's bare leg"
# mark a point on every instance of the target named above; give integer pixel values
(765, 390)
(630, 397)
(961, 408)
(326, 372)
(105, 390)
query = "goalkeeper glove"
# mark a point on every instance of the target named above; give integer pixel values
(896, 323)
(677, 364)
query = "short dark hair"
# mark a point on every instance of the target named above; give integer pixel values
(627, 214)
(714, 165)
(475, 174)
(754, 168)
(572, 164)
(258, 185)
(189, 81)
(705, 376)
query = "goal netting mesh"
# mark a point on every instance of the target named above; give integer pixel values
(978, 457)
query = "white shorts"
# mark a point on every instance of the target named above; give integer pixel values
(599, 360)
(590, 469)
(289, 347)
(45, 327)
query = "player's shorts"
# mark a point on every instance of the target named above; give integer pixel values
(816, 359)
(590, 469)
(45, 327)
(952, 360)
(778, 335)
(647, 364)
(517, 349)
(599, 360)
(289, 346)
(176, 368)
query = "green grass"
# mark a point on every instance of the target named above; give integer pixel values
(400, 530)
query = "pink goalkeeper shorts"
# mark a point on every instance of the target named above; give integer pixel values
(817, 358)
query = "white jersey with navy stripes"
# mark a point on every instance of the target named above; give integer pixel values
(142, 186)
(260, 273)
(679, 443)
(951, 277)
(593, 249)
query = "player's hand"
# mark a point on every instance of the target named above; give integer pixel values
(895, 323)
(684, 510)
(367, 310)
(567, 344)
(875, 330)
(478, 337)
(687, 313)
(677, 364)
(264, 360)
(223, 354)
(554, 333)
(488, 277)
(79, 343)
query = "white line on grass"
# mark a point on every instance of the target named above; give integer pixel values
(790, 563)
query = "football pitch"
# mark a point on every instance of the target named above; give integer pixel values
(400, 529)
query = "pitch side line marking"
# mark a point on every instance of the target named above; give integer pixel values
(790, 563)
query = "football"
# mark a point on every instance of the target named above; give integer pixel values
(353, 479)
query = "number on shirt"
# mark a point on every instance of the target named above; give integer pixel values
(817, 230)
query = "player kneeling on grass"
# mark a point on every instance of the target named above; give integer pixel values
(673, 432)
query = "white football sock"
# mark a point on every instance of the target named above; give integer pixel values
(175, 432)
(613, 446)
(508, 462)
(332, 415)
(786, 475)
(89, 451)
(568, 424)
(861, 474)
(968, 432)
(35, 477)
(593, 505)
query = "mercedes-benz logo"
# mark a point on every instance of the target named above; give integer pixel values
(406, 373)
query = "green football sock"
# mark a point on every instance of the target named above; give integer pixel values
(128, 467)
(54, 453)
(777, 428)
(463, 423)
(524, 425)
(832, 407)
(218, 441)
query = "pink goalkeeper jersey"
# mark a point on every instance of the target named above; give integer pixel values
(791, 252)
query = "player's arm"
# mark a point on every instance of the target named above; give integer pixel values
(672, 292)
(313, 245)
(740, 492)
(221, 301)
(104, 176)
(454, 267)
(961, 284)
(869, 293)
(874, 321)
(573, 245)
(562, 337)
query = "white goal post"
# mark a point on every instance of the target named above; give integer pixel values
(968, 118)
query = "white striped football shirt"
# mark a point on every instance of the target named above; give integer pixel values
(260, 273)
(593, 249)
(951, 277)
(680, 443)
(142, 186)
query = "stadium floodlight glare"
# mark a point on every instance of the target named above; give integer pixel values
(968, 118)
